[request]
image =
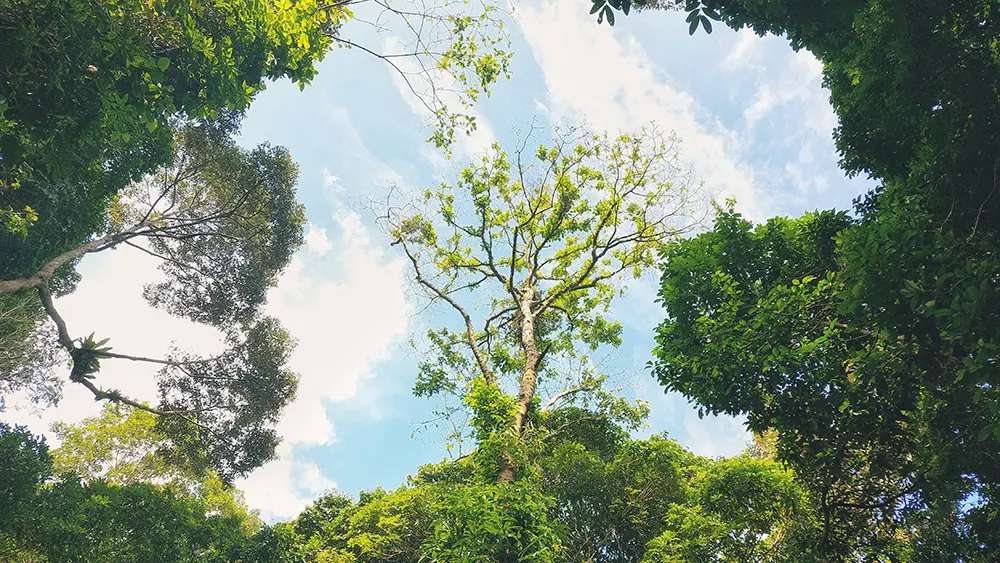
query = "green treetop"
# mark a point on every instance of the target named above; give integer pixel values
(539, 244)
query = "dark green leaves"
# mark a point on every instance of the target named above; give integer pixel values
(698, 15)
(235, 227)
(607, 7)
(694, 23)
(86, 358)
(229, 405)
(764, 321)
(89, 88)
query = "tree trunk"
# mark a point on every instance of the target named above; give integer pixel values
(529, 377)
(45, 273)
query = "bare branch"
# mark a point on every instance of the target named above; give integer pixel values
(64, 338)
(44, 274)
(470, 331)
(566, 393)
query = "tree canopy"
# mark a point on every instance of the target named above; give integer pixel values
(60, 518)
(223, 223)
(861, 347)
(868, 341)
(542, 244)
(89, 89)
(592, 494)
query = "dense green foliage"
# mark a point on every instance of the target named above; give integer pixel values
(88, 90)
(870, 343)
(590, 494)
(861, 348)
(125, 446)
(59, 518)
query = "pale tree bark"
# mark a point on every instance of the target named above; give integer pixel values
(529, 376)
(45, 273)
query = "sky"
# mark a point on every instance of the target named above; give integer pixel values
(754, 122)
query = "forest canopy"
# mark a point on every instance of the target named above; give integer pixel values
(860, 345)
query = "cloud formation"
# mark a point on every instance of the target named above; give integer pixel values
(629, 92)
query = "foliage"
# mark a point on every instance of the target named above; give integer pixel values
(762, 323)
(223, 222)
(27, 360)
(26, 464)
(89, 88)
(123, 446)
(869, 345)
(252, 375)
(541, 247)
(580, 502)
(61, 518)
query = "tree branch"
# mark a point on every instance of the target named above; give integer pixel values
(469, 329)
(44, 274)
(563, 394)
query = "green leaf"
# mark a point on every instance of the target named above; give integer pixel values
(598, 4)
(693, 27)
(610, 15)
(706, 24)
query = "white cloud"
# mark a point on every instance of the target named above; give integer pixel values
(745, 52)
(331, 183)
(343, 328)
(714, 436)
(799, 82)
(316, 240)
(283, 487)
(359, 160)
(629, 92)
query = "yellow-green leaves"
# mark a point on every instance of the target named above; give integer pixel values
(529, 253)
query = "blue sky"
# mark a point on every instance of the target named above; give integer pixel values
(755, 124)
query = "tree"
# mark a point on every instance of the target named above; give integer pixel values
(26, 464)
(224, 222)
(762, 324)
(909, 287)
(593, 494)
(541, 246)
(59, 518)
(89, 88)
(124, 446)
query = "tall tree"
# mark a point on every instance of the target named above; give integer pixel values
(592, 494)
(541, 247)
(762, 323)
(223, 222)
(910, 288)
